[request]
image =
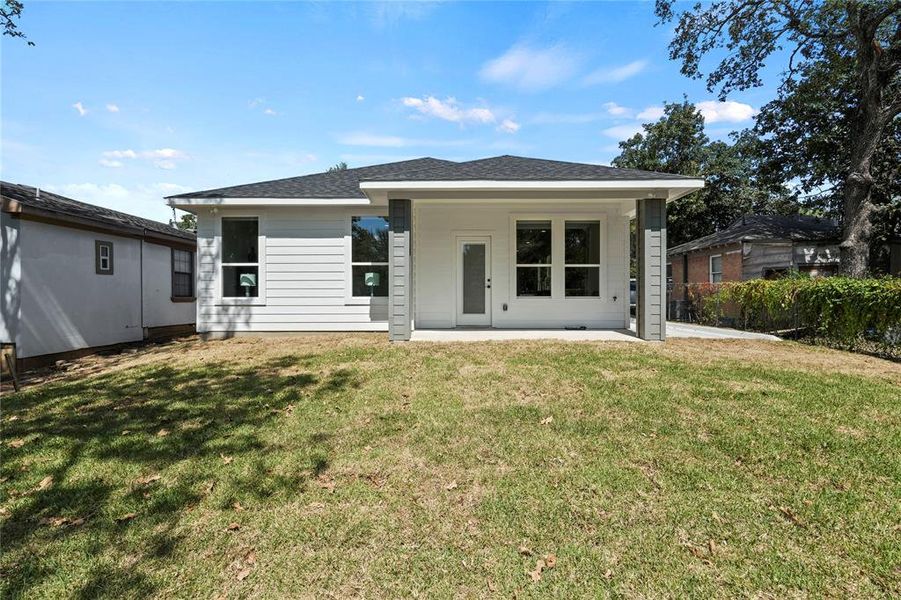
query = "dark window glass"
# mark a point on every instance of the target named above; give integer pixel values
(369, 239)
(533, 281)
(358, 280)
(533, 242)
(583, 281)
(239, 240)
(583, 242)
(182, 273)
(234, 277)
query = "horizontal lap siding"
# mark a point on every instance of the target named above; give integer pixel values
(305, 281)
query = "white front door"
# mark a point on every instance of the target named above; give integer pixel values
(474, 281)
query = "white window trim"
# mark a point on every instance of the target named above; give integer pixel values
(349, 264)
(516, 265)
(710, 268)
(106, 258)
(260, 300)
(558, 255)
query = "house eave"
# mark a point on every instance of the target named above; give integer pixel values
(676, 187)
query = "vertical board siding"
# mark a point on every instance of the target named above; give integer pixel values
(400, 218)
(306, 280)
(651, 254)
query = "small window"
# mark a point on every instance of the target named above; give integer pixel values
(240, 257)
(716, 268)
(182, 273)
(369, 256)
(533, 258)
(583, 258)
(103, 257)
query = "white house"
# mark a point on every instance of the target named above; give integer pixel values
(78, 277)
(504, 242)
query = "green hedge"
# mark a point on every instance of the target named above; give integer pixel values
(841, 310)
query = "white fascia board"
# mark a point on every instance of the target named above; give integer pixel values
(681, 185)
(220, 201)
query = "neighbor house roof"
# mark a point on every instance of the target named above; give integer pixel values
(770, 228)
(30, 201)
(346, 183)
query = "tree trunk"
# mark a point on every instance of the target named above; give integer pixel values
(868, 126)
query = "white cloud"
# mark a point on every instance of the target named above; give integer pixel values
(729, 111)
(508, 126)
(270, 112)
(362, 138)
(360, 98)
(113, 108)
(651, 113)
(531, 69)
(255, 102)
(163, 158)
(622, 132)
(82, 111)
(615, 74)
(449, 110)
(616, 110)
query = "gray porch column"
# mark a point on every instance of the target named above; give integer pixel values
(650, 231)
(400, 270)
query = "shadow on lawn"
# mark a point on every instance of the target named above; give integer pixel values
(150, 418)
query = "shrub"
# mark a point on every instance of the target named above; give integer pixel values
(840, 310)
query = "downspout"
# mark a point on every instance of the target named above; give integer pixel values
(141, 286)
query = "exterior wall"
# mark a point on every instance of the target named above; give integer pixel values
(699, 264)
(304, 274)
(65, 304)
(10, 278)
(159, 310)
(436, 226)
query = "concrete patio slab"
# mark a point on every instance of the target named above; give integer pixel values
(673, 330)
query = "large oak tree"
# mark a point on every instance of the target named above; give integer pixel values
(867, 35)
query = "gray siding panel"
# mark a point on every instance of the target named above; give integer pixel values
(400, 273)
(651, 254)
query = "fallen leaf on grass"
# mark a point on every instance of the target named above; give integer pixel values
(491, 586)
(45, 483)
(243, 573)
(547, 420)
(209, 487)
(125, 432)
(525, 550)
(60, 521)
(451, 486)
(237, 506)
(13, 418)
(791, 516)
(245, 565)
(226, 459)
(536, 573)
(326, 482)
(162, 433)
(147, 479)
(711, 546)
(550, 561)
(233, 527)
(126, 517)
(17, 443)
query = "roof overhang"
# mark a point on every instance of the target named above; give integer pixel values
(191, 204)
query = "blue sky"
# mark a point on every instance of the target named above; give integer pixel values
(120, 104)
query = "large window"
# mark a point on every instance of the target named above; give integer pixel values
(240, 257)
(369, 256)
(533, 258)
(716, 268)
(182, 273)
(582, 241)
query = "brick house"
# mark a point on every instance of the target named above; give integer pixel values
(752, 247)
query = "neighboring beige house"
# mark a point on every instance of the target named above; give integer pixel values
(504, 242)
(78, 277)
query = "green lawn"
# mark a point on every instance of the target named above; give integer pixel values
(346, 466)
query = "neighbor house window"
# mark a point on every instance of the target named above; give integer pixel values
(369, 256)
(240, 257)
(103, 257)
(582, 242)
(533, 258)
(182, 273)
(716, 268)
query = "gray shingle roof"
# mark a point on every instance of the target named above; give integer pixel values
(334, 184)
(772, 228)
(48, 201)
(346, 183)
(518, 168)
